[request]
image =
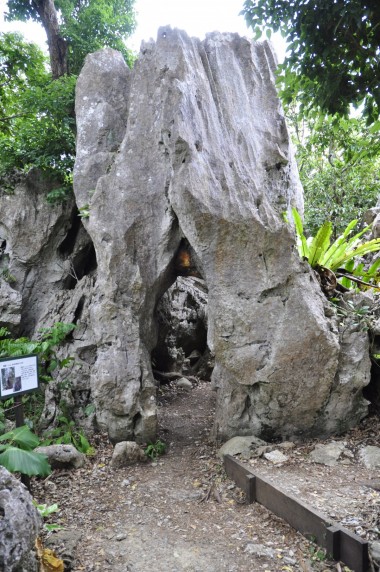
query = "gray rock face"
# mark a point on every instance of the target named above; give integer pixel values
(48, 275)
(370, 456)
(192, 146)
(126, 453)
(245, 446)
(19, 526)
(10, 306)
(328, 454)
(182, 329)
(63, 456)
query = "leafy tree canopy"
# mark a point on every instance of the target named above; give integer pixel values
(339, 164)
(76, 28)
(334, 54)
(36, 113)
(37, 123)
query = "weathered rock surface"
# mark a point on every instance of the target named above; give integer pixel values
(48, 275)
(182, 329)
(245, 446)
(63, 456)
(10, 306)
(19, 526)
(327, 454)
(370, 457)
(64, 543)
(126, 453)
(276, 457)
(192, 146)
(188, 148)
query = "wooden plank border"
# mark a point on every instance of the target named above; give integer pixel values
(339, 542)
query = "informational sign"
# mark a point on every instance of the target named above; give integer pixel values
(18, 375)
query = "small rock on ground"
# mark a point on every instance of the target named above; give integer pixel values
(327, 454)
(370, 456)
(244, 446)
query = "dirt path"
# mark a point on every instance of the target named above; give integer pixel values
(180, 513)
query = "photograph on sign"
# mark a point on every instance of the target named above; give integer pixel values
(18, 375)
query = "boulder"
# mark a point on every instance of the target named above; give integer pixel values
(244, 446)
(63, 456)
(191, 148)
(64, 544)
(276, 457)
(127, 453)
(186, 169)
(327, 454)
(184, 383)
(370, 457)
(20, 524)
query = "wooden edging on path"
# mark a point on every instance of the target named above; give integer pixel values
(339, 542)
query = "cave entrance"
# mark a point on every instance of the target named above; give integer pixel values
(181, 316)
(181, 360)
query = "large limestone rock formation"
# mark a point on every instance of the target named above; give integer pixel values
(20, 524)
(185, 167)
(192, 146)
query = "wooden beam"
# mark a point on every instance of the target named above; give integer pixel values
(339, 542)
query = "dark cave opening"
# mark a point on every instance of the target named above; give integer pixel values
(372, 391)
(77, 247)
(68, 243)
(82, 264)
(181, 318)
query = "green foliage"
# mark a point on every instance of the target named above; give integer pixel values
(45, 511)
(21, 64)
(84, 212)
(338, 161)
(333, 53)
(37, 123)
(90, 26)
(154, 450)
(7, 276)
(85, 27)
(37, 126)
(361, 316)
(45, 347)
(339, 256)
(67, 433)
(17, 453)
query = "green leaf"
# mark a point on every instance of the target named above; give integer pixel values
(25, 462)
(339, 244)
(320, 244)
(303, 248)
(21, 436)
(367, 247)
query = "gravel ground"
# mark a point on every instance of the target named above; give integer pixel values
(181, 512)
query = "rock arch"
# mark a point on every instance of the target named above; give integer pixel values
(192, 145)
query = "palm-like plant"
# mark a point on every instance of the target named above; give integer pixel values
(338, 260)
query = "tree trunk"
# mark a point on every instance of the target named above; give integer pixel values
(57, 45)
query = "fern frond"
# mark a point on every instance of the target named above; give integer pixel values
(320, 244)
(361, 250)
(302, 245)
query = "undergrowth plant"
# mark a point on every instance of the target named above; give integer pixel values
(67, 433)
(17, 446)
(339, 260)
(154, 450)
(45, 511)
(17, 453)
(45, 347)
